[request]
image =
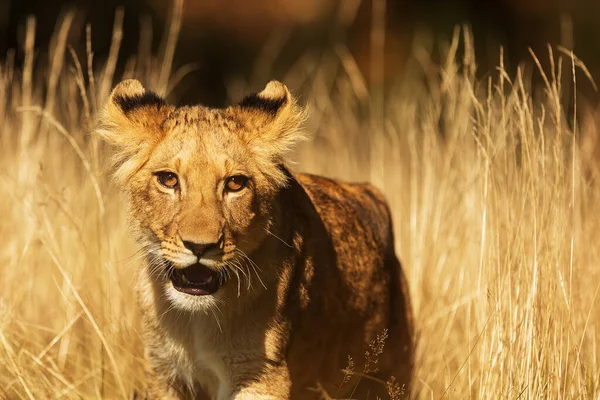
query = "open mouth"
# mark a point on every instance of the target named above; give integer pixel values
(196, 280)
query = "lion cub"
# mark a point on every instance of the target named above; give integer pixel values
(258, 282)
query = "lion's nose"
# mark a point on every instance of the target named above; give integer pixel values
(199, 249)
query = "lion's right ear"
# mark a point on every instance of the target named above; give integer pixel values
(132, 122)
(132, 116)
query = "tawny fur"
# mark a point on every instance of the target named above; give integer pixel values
(313, 276)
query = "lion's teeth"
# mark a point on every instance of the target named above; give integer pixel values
(209, 279)
(185, 279)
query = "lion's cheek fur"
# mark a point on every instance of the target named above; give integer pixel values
(154, 212)
(248, 227)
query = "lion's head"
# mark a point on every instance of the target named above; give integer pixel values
(200, 182)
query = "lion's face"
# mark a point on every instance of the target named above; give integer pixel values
(200, 184)
(198, 203)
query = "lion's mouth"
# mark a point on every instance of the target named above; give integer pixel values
(195, 280)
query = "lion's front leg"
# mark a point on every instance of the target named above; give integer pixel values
(162, 383)
(160, 388)
(272, 384)
(163, 389)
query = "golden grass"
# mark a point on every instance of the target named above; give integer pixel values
(496, 212)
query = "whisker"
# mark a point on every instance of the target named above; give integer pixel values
(278, 238)
(246, 274)
(254, 266)
(131, 259)
(237, 274)
(211, 308)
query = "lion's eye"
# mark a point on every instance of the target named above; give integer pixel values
(167, 179)
(236, 183)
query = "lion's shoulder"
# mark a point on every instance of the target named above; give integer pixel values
(356, 211)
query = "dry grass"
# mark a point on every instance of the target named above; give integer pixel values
(496, 212)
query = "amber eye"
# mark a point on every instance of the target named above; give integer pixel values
(167, 179)
(236, 183)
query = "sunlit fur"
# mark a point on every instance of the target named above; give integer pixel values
(299, 251)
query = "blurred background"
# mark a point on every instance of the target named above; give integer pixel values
(496, 197)
(226, 39)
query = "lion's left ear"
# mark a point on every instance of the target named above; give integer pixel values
(274, 121)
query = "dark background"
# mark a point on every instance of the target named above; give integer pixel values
(225, 36)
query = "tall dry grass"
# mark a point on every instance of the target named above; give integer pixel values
(496, 211)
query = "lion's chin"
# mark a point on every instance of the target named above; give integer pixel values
(195, 280)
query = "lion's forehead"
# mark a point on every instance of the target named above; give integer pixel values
(200, 144)
(193, 161)
(201, 116)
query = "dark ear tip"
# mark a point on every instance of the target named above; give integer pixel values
(130, 95)
(270, 99)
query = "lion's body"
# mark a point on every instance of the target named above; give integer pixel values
(325, 282)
